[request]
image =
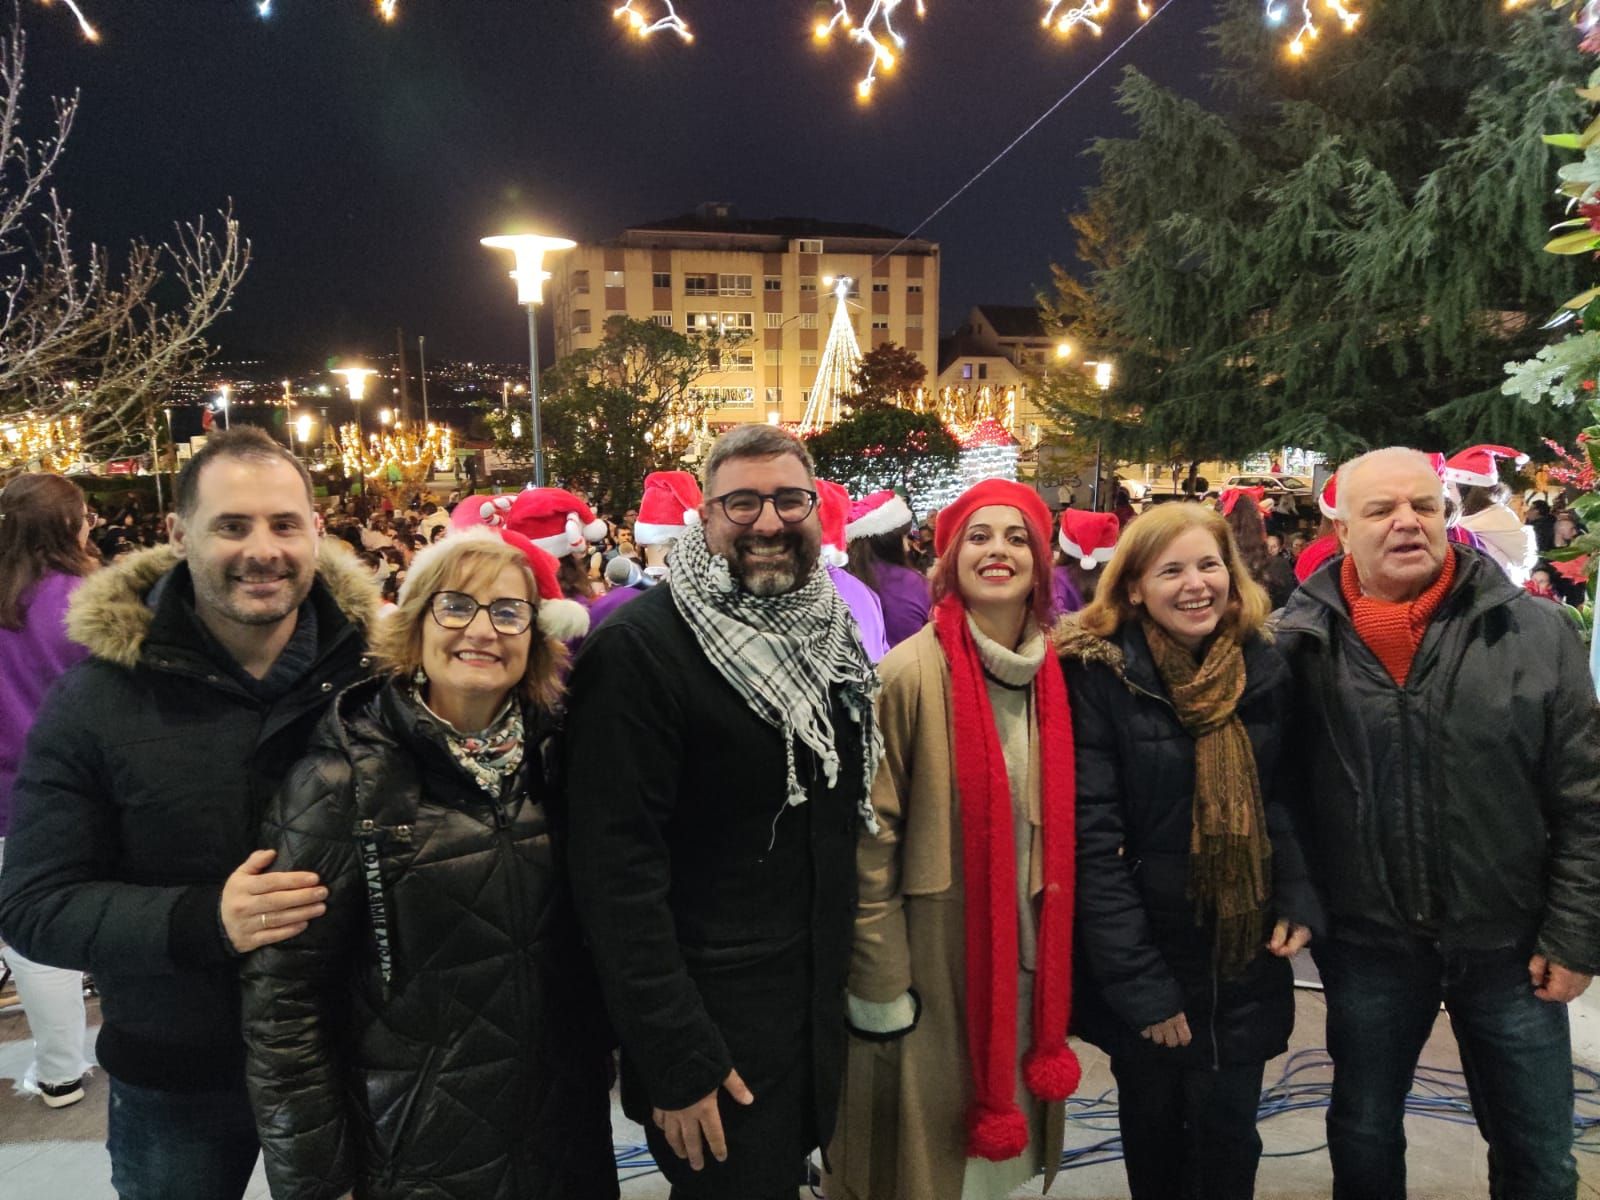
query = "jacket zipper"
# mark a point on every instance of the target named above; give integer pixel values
(505, 840)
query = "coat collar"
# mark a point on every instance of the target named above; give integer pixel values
(1127, 654)
(111, 613)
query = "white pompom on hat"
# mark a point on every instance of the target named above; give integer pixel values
(555, 520)
(1089, 537)
(833, 510)
(669, 509)
(1478, 466)
(881, 512)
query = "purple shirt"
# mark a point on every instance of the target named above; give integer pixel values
(31, 658)
(1064, 597)
(603, 606)
(905, 598)
(865, 608)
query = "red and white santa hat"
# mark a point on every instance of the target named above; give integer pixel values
(881, 512)
(1089, 537)
(669, 509)
(1478, 466)
(557, 617)
(480, 510)
(1328, 502)
(1232, 496)
(554, 520)
(833, 510)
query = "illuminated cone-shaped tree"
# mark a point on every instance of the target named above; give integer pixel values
(836, 373)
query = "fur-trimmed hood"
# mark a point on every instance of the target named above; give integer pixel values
(111, 613)
(1072, 640)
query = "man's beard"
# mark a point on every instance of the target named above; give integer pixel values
(778, 574)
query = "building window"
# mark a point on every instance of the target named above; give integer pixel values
(808, 320)
(808, 358)
(580, 283)
(616, 279)
(739, 321)
(914, 321)
(661, 279)
(808, 246)
(733, 285)
(701, 322)
(739, 360)
(774, 320)
(880, 285)
(805, 397)
(774, 357)
(914, 289)
(854, 289)
(880, 322)
(580, 320)
(699, 285)
(808, 283)
(966, 370)
(773, 283)
(983, 370)
(725, 397)
(662, 319)
(774, 397)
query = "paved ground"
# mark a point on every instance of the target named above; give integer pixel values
(59, 1155)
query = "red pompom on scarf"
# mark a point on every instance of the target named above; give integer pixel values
(996, 1129)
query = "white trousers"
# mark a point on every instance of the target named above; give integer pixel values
(52, 1000)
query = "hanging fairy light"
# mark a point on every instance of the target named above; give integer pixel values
(1308, 30)
(642, 26)
(876, 31)
(89, 31)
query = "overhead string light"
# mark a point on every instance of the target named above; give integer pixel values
(876, 31)
(89, 31)
(1309, 30)
(643, 26)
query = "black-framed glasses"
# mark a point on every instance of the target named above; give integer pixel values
(743, 507)
(457, 610)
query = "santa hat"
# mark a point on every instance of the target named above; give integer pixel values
(1328, 502)
(1231, 496)
(557, 617)
(954, 516)
(1089, 537)
(833, 509)
(881, 512)
(1478, 466)
(554, 520)
(480, 510)
(670, 507)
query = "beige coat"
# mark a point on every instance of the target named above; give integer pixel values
(901, 1128)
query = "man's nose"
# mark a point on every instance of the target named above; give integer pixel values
(768, 523)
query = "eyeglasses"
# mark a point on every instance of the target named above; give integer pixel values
(744, 506)
(457, 610)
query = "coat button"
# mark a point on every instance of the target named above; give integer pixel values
(327, 687)
(365, 661)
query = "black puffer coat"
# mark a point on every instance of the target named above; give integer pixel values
(434, 1036)
(1140, 957)
(1464, 807)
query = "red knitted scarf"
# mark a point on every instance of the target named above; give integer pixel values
(996, 1128)
(1394, 631)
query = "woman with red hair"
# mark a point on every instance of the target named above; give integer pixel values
(960, 984)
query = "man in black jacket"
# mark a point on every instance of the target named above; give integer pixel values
(1452, 823)
(133, 850)
(719, 750)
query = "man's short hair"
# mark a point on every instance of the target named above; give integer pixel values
(755, 441)
(243, 441)
(1383, 454)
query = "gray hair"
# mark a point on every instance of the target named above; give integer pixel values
(755, 441)
(1385, 454)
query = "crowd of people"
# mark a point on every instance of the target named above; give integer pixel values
(395, 833)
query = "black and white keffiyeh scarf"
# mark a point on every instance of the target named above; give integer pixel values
(783, 655)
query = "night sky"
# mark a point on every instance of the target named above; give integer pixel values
(366, 160)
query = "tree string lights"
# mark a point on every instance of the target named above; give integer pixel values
(643, 27)
(1277, 11)
(876, 31)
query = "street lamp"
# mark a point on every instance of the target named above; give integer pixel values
(222, 399)
(302, 429)
(355, 380)
(530, 249)
(385, 417)
(1102, 379)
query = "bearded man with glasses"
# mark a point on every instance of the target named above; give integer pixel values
(714, 863)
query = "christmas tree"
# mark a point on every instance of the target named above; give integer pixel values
(836, 373)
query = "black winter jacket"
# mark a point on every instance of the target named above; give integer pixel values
(721, 919)
(141, 791)
(1141, 958)
(435, 1035)
(1463, 808)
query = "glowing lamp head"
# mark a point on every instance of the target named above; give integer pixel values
(1102, 374)
(529, 249)
(1063, 350)
(355, 380)
(302, 428)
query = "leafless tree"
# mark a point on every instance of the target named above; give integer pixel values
(78, 337)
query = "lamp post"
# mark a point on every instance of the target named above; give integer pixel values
(223, 391)
(355, 380)
(1102, 378)
(530, 249)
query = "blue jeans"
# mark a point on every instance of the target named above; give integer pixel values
(1516, 1053)
(180, 1145)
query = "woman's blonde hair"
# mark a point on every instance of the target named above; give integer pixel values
(463, 564)
(1143, 541)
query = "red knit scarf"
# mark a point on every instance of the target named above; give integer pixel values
(1393, 632)
(996, 1128)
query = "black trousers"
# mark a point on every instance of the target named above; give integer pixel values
(1188, 1133)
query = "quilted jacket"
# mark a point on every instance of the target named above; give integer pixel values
(436, 1035)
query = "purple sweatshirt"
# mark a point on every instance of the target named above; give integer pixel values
(1064, 596)
(905, 598)
(30, 660)
(602, 607)
(864, 607)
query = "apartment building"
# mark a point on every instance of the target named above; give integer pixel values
(712, 270)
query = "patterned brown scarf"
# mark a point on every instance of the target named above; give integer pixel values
(1229, 853)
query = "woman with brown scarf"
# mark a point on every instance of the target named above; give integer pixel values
(1192, 892)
